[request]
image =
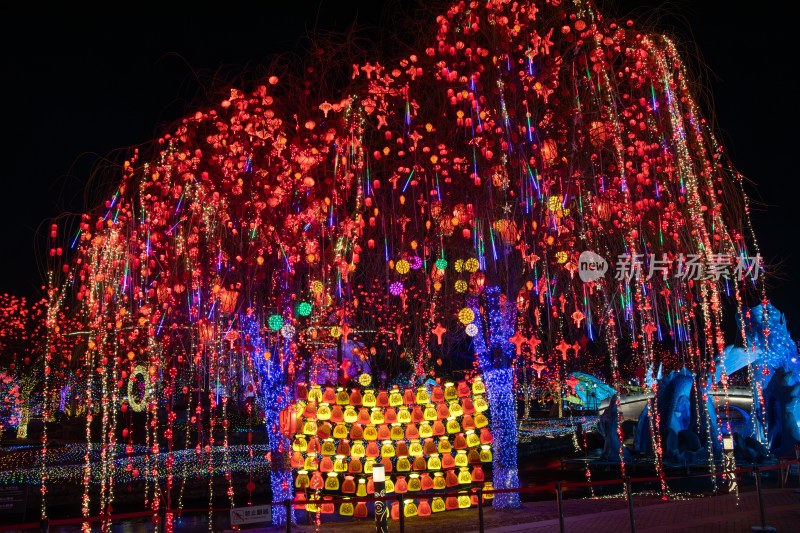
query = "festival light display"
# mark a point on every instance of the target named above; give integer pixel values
(427, 440)
(430, 215)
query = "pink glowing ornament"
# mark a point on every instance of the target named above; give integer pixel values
(396, 288)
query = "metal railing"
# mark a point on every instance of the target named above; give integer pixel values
(479, 493)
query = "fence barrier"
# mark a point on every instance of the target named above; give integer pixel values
(480, 493)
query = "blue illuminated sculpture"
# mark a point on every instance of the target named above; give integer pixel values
(775, 372)
(590, 390)
(608, 427)
(684, 426)
(781, 412)
(495, 354)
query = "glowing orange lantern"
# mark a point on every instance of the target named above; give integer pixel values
(424, 508)
(288, 421)
(597, 133)
(477, 282)
(549, 150)
(227, 300)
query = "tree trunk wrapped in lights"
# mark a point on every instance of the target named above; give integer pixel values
(495, 355)
(275, 393)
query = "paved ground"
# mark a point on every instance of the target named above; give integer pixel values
(721, 514)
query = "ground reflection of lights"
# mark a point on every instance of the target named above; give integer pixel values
(555, 427)
(66, 463)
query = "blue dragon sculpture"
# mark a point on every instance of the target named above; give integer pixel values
(776, 373)
(776, 378)
(608, 427)
(684, 434)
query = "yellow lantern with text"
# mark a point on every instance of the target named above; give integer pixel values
(324, 412)
(370, 433)
(357, 450)
(346, 509)
(387, 449)
(332, 481)
(328, 447)
(437, 506)
(461, 458)
(480, 404)
(422, 396)
(415, 449)
(397, 432)
(404, 416)
(339, 431)
(369, 399)
(342, 398)
(453, 426)
(302, 479)
(299, 444)
(486, 453)
(425, 430)
(395, 398)
(403, 464)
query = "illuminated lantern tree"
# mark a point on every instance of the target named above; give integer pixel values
(226, 225)
(437, 212)
(524, 136)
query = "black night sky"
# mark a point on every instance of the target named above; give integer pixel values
(80, 83)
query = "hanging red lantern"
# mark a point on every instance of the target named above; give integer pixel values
(288, 421)
(162, 292)
(523, 300)
(227, 300)
(477, 282)
(360, 510)
(597, 133)
(205, 331)
(549, 150)
(507, 230)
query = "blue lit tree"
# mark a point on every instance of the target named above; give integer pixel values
(495, 355)
(275, 393)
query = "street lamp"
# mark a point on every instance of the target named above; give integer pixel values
(381, 514)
